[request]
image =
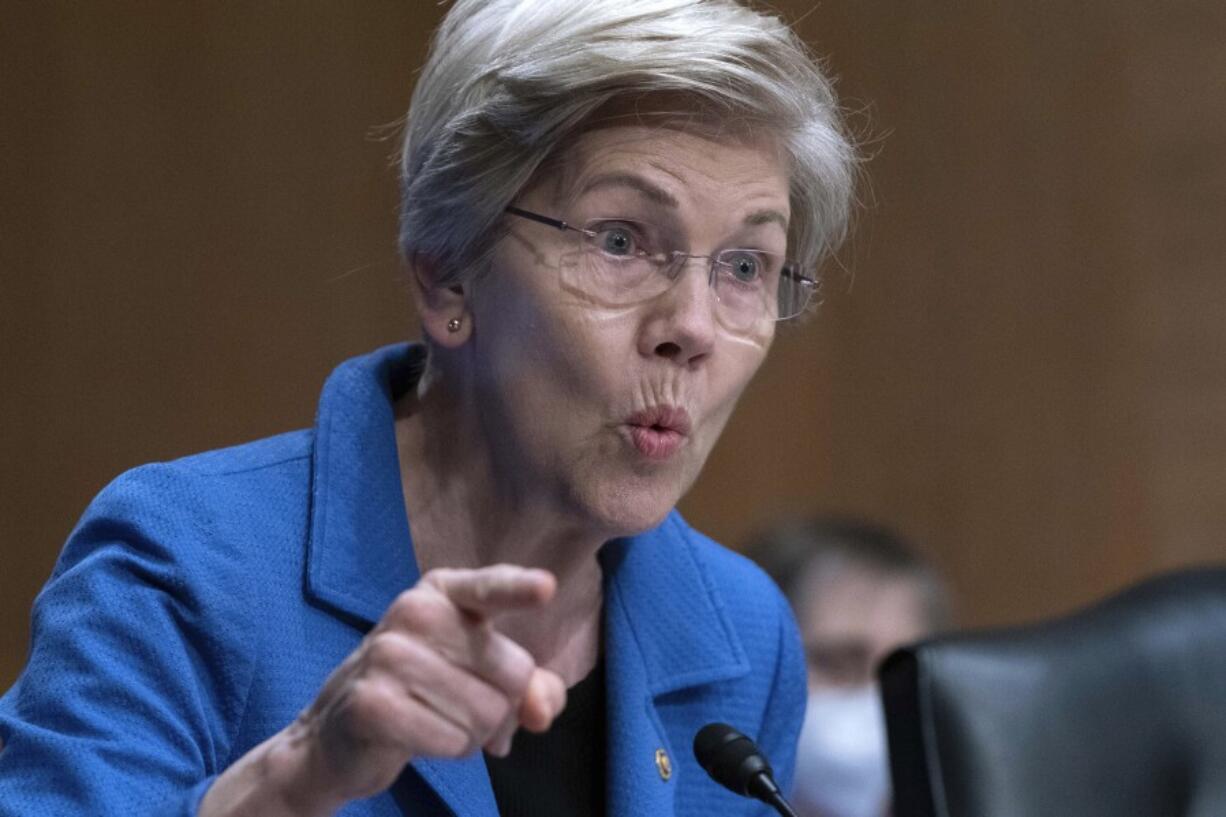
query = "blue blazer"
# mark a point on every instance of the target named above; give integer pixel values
(200, 604)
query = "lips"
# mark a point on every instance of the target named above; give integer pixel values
(658, 432)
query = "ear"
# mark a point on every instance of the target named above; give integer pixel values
(440, 308)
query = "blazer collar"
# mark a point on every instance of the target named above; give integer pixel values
(359, 552)
(662, 608)
(665, 630)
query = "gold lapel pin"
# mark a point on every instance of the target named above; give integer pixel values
(663, 764)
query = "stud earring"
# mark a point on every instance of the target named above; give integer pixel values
(453, 325)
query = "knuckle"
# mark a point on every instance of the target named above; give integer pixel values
(456, 742)
(385, 649)
(464, 744)
(483, 588)
(369, 703)
(517, 670)
(437, 578)
(491, 713)
(414, 610)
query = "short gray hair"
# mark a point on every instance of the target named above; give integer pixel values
(508, 81)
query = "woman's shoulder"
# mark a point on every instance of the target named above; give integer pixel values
(196, 483)
(163, 596)
(255, 455)
(200, 541)
(205, 512)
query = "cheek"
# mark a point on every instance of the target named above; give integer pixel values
(593, 338)
(740, 360)
(561, 360)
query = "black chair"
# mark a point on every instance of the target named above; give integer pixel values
(1116, 711)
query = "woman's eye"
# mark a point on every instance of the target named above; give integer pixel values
(745, 266)
(617, 241)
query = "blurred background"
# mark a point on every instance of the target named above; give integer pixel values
(1021, 360)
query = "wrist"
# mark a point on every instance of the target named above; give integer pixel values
(278, 778)
(294, 771)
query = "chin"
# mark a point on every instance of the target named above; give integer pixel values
(631, 523)
(629, 508)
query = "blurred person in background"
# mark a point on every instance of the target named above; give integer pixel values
(859, 591)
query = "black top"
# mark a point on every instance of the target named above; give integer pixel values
(561, 771)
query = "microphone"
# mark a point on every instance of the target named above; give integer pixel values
(736, 763)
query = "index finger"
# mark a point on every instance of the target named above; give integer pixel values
(487, 591)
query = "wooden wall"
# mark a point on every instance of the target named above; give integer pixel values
(1022, 363)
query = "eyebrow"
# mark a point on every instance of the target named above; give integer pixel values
(766, 217)
(659, 195)
(654, 193)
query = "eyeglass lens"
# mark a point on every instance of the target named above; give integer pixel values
(620, 262)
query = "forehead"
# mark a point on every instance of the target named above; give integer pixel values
(861, 605)
(695, 168)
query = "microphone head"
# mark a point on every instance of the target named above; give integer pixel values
(732, 759)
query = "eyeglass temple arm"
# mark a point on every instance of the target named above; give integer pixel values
(799, 276)
(537, 217)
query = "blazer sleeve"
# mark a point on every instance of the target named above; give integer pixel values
(134, 681)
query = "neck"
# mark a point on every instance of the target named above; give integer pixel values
(468, 510)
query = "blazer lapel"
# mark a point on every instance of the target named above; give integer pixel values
(664, 632)
(360, 554)
(463, 785)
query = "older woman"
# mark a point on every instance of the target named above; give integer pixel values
(608, 205)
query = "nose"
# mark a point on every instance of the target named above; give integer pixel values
(680, 324)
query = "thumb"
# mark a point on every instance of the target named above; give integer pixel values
(543, 700)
